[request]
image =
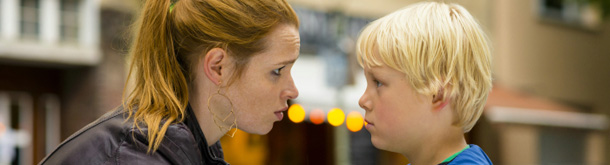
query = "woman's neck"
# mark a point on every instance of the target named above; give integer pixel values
(438, 148)
(210, 129)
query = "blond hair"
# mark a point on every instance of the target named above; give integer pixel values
(440, 48)
(168, 43)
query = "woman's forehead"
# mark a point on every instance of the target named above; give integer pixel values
(283, 45)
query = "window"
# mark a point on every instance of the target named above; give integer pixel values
(562, 145)
(69, 20)
(30, 19)
(579, 14)
(16, 121)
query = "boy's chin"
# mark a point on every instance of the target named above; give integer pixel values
(385, 145)
(378, 143)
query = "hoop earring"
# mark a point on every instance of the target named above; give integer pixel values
(217, 119)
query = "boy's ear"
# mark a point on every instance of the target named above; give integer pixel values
(439, 101)
(213, 64)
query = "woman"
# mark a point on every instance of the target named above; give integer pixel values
(201, 67)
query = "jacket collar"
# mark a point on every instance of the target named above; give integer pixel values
(210, 155)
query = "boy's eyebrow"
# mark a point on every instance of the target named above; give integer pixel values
(369, 72)
(378, 73)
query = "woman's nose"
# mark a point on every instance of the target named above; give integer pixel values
(291, 92)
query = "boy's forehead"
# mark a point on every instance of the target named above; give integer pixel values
(371, 67)
(371, 60)
(381, 68)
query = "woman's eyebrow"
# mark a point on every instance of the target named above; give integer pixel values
(289, 61)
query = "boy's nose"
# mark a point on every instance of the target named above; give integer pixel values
(364, 102)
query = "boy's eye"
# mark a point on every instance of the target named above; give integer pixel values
(278, 70)
(377, 83)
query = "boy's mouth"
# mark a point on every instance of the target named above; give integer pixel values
(368, 125)
(368, 122)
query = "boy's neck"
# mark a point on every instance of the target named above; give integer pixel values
(437, 148)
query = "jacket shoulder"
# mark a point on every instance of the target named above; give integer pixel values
(177, 147)
(96, 142)
(113, 139)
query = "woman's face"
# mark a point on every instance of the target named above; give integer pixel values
(397, 115)
(260, 96)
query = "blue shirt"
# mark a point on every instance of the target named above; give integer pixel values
(472, 155)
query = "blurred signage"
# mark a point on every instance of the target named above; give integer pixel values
(326, 29)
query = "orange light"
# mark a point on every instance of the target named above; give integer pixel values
(316, 116)
(336, 117)
(354, 121)
(296, 113)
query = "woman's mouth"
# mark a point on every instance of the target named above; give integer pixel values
(280, 114)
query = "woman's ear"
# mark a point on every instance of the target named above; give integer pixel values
(439, 101)
(213, 63)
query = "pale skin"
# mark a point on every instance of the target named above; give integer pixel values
(259, 96)
(404, 121)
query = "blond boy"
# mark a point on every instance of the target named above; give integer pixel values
(428, 73)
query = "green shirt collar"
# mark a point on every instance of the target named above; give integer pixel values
(456, 154)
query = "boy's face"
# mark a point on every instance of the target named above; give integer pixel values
(398, 117)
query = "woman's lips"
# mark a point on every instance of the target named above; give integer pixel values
(280, 114)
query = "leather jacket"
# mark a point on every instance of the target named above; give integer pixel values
(113, 140)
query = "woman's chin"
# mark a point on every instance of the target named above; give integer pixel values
(259, 130)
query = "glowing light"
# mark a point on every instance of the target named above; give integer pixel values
(296, 113)
(316, 116)
(336, 117)
(354, 121)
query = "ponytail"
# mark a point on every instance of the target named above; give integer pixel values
(160, 93)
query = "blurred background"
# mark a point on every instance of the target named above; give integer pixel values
(63, 64)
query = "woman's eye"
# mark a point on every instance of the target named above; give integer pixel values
(278, 70)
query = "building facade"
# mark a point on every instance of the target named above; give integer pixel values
(61, 66)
